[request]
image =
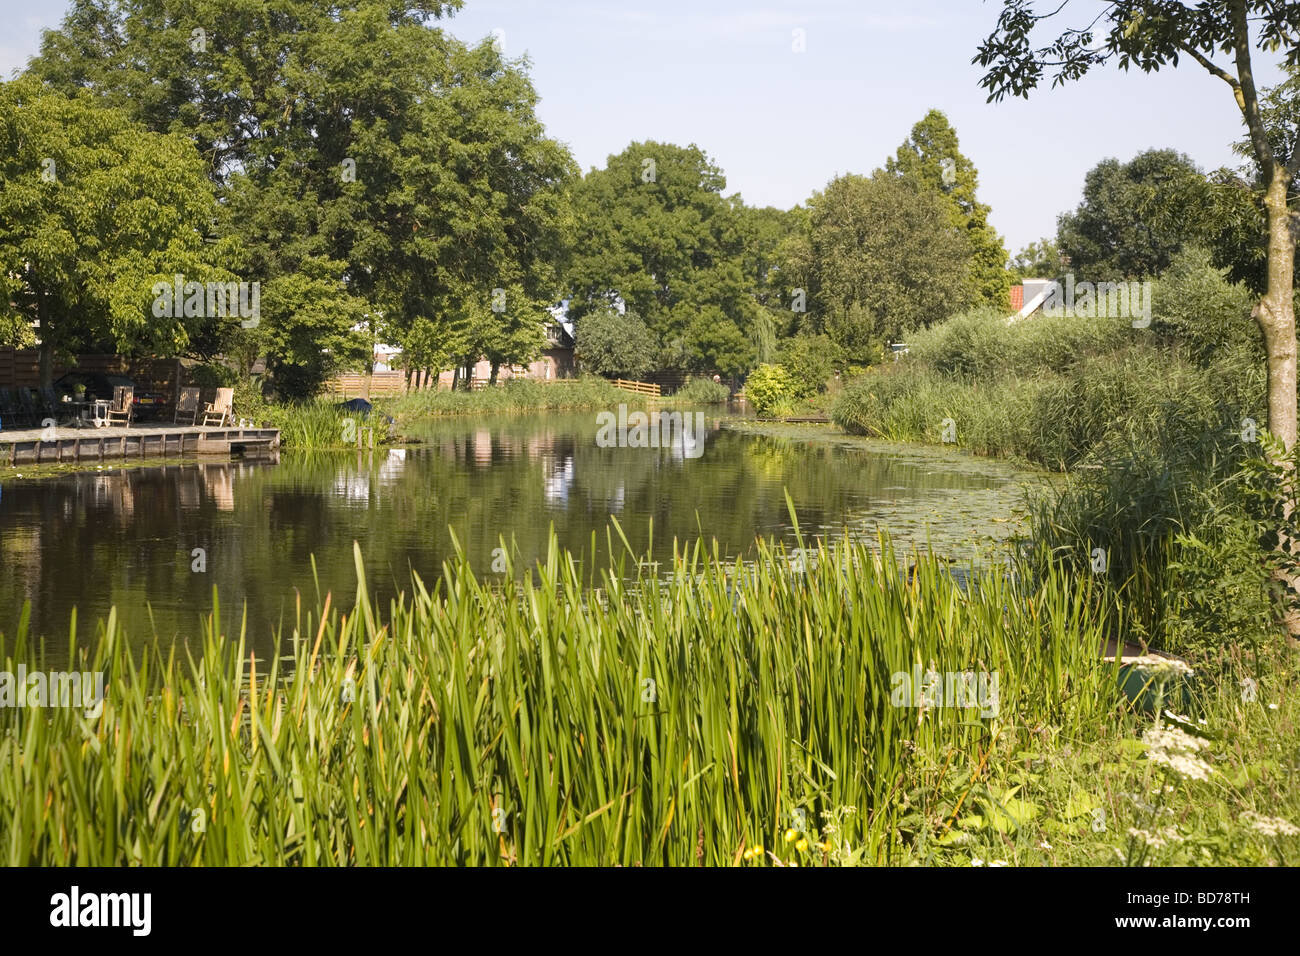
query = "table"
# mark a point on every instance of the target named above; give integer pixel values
(93, 413)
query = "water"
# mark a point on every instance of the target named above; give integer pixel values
(126, 537)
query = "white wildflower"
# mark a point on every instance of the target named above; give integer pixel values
(1269, 826)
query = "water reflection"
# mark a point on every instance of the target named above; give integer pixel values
(124, 537)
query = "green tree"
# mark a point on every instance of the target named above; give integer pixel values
(1135, 217)
(1038, 260)
(885, 258)
(306, 332)
(931, 159)
(653, 229)
(615, 344)
(354, 133)
(94, 211)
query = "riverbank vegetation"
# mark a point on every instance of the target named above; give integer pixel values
(570, 715)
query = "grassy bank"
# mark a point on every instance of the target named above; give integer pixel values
(1169, 501)
(513, 397)
(745, 714)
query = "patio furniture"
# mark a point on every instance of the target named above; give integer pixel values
(12, 414)
(93, 412)
(218, 411)
(187, 407)
(121, 409)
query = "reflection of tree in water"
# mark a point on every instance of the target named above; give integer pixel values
(125, 537)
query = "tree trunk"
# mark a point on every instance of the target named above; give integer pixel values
(1275, 314)
(495, 366)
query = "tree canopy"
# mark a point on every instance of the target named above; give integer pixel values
(94, 211)
(931, 160)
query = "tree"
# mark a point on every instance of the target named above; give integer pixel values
(352, 133)
(94, 211)
(1152, 35)
(654, 231)
(764, 231)
(931, 159)
(1135, 217)
(615, 344)
(886, 258)
(1038, 260)
(306, 328)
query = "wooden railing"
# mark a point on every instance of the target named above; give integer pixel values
(641, 388)
(357, 384)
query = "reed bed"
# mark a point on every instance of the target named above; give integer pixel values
(564, 716)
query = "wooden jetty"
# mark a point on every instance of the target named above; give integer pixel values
(40, 446)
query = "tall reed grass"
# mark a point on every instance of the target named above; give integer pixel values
(563, 715)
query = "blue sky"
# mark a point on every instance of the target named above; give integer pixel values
(723, 74)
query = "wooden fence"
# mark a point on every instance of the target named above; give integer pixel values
(641, 388)
(21, 368)
(360, 385)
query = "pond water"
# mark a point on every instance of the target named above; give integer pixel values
(126, 537)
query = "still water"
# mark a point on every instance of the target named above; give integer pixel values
(127, 537)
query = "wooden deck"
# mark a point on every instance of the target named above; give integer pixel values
(37, 446)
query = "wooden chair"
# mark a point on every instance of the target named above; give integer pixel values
(122, 407)
(187, 407)
(217, 412)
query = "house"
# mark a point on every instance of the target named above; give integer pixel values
(1028, 297)
(557, 359)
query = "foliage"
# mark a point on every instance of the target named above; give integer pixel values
(1038, 260)
(931, 160)
(615, 344)
(886, 259)
(771, 388)
(94, 210)
(1135, 216)
(810, 360)
(414, 161)
(653, 229)
(514, 395)
(701, 391)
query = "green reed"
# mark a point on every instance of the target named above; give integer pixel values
(554, 715)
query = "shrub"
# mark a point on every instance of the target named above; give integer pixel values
(810, 360)
(702, 391)
(770, 389)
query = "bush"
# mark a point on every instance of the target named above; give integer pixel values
(702, 391)
(771, 389)
(810, 360)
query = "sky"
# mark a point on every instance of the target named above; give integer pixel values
(725, 75)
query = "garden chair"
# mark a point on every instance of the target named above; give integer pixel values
(11, 414)
(122, 407)
(187, 407)
(219, 411)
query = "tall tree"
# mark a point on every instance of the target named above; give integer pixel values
(354, 135)
(654, 230)
(886, 258)
(1135, 216)
(931, 159)
(94, 211)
